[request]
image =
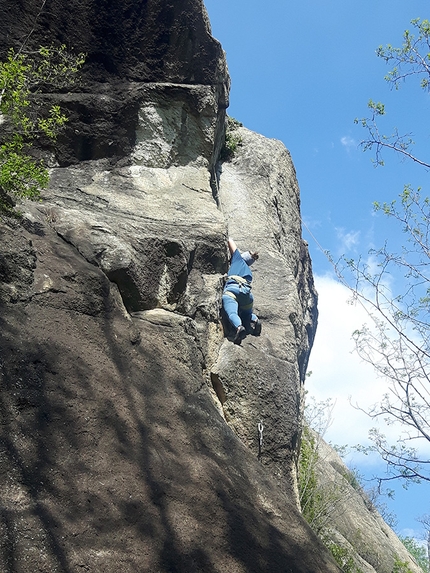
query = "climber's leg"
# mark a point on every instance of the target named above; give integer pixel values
(246, 301)
(246, 316)
(231, 308)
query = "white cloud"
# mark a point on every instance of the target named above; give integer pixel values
(339, 373)
(348, 142)
(347, 240)
(416, 534)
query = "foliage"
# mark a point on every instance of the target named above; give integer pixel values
(232, 139)
(311, 498)
(374, 503)
(343, 558)
(319, 501)
(396, 341)
(425, 521)
(354, 479)
(372, 496)
(22, 77)
(401, 566)
(417, 551)
(411, 59)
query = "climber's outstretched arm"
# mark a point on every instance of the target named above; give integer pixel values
(232, 246)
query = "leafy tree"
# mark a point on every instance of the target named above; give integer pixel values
(318, 501)
(417, 551)
(343, 557)
(312, 500)
(22, 77)
(397, 340)
(411, 59)
(232, 139)
(401, 566)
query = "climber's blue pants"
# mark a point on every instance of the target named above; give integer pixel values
(234, 308)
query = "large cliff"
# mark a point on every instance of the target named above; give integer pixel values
(129, 420)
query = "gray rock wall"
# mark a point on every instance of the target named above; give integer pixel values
(115, 451)
(262, 380)
(128, 436)
(128, 45)
(355, 523)
(135, 40)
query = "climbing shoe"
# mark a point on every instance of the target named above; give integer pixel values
(256, 327)
(240, 334)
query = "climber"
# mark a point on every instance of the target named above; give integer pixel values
(237, 299)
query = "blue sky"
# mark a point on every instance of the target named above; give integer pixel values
(301, 73)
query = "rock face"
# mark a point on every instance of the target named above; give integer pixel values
(135, 436)
(116, 454)
(355, 523)
(262, 380)
(129, 46)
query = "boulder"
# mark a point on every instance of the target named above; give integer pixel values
(116, 454)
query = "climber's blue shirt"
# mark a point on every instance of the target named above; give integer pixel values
(238, 267)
